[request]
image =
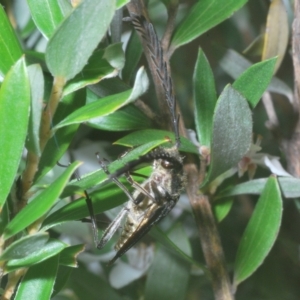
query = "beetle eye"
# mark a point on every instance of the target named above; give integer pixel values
(167, 164)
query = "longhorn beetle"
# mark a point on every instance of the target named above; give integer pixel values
(156, 196)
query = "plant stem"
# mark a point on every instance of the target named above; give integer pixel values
(13, 279)
(291, 146)
(45, 134)
(209, 236)
(49, 112)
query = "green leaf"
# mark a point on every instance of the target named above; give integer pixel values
(261, 232)
(121, 3)
(222, 208)
(235, 64)
(126, 118)
(254, 81)
(60, 141)
(276, 36)
(25, 246)
(232, 132)
(254, 187)
(52, 248)
(10, 48)
(14, 115)
(169, 269)
(97, 69)
(290, 188)
(99, 176)
(40, 205)
(39, 280)
(46, 15)
(68, 256)
(65, 6)
(36, 80)
(115, 56)
(133, 54)
(108, 104)
(205, 99)
(204, 15)
(28, 29)
(108, 87)
(106, 198)
(143, 136)
(63, 275)
(74, 41)
(4, 217)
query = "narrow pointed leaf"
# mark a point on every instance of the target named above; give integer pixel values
(133, 54)
(103, 200)
(96, 69)
(126, 118)
(68, 257)
(205, 99)
(290, 188)
(46, 14)
(222, 208)
(10, 48)
(63, 276)
(39, 281)
(65, 6)
(60, 141)
(254, 187)
(50, 249)
(232, 132)
(254, 81)
(277, 33)
(235, 64)
(121, 3)
(143, 136)
(109, 104)
(204, 15)
(74, 41)
(25, 246)
(36, 80)
(14, 116)
(40, 205)
(115, 56)
(261, 232)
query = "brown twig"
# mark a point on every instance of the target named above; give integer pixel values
(45, 134)
(172, 13)
(291, 146)
(13, 279)
(209, 237)
(143, 107)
